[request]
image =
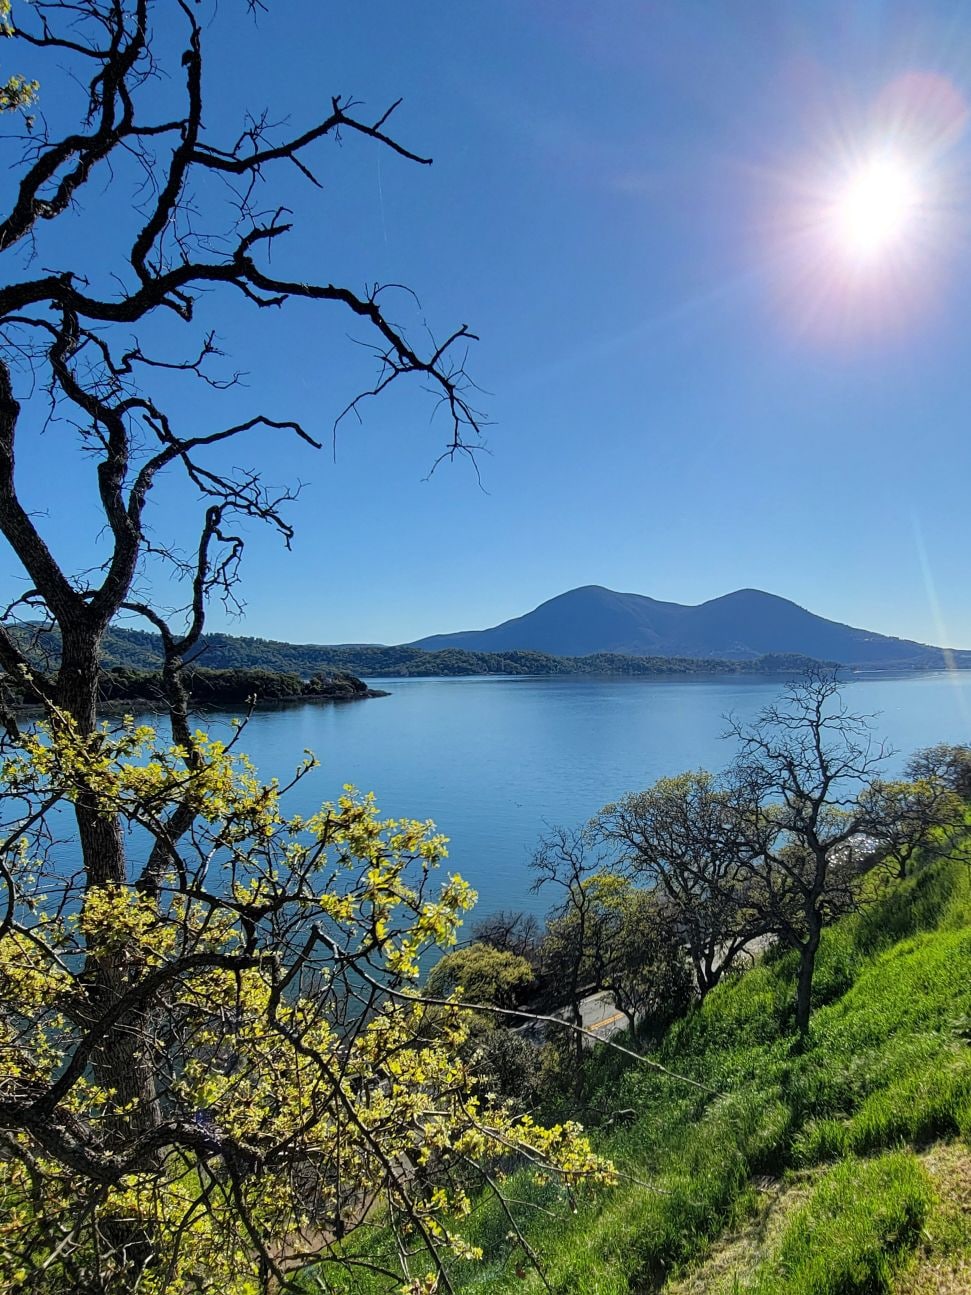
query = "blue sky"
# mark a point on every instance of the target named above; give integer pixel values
(688, 393)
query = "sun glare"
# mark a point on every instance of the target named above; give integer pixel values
(856, 231)
(877, 208)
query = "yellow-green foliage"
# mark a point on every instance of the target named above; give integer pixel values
(480, 973)
(17, 92)
(241, 963)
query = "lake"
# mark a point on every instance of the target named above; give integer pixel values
(494, 760)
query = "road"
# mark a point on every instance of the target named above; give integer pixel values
(599, 1015)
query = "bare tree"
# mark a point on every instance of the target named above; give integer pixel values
(799, 775)
(510, 931)
(564, 859)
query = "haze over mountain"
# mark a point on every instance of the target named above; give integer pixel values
(738, 626)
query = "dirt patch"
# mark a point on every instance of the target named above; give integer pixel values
(735, 1255)
(935, 1277)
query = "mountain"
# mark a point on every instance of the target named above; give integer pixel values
(586, 631)
(738, 626)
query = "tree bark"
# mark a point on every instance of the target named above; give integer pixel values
(123, 1062)
(804, 982)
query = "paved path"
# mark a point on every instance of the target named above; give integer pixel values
(599, 1015)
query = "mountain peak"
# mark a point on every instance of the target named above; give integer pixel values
(740, 625)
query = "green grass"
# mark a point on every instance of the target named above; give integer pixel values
(887, 1067)
(849, 1238)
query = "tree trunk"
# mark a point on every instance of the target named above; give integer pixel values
(101, 839)
(804, 982)
(577, 1048)
(708, 973)
(123, 1061)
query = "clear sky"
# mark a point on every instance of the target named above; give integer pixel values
(693, 384)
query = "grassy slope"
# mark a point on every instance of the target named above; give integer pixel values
(833, 1131)
(849, 1226)
(888, 1065)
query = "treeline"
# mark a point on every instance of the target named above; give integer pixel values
(667, 891)
(139, 650)
(407, 662)
(220, 687)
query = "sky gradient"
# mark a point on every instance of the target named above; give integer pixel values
(685, 394)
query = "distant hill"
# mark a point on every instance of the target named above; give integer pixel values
(131, 649)
(128, 650)
(740, 626)
(586, 631)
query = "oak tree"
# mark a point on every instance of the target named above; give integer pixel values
(484, 975)
(799, 780)
(626, 947)
(943, 763)
(682, 838)
(907, 819)
(564, 860)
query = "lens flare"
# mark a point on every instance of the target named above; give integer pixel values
(858, 232)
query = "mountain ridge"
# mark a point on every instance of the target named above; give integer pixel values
(741, 625)
(586, 630)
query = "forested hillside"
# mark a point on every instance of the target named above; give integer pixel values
(223, 687)
(122, 684)
(138, 650)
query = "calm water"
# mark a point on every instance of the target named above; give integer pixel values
(493, 760)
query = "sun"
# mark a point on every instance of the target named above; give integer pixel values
(857, 230)
(877, 208)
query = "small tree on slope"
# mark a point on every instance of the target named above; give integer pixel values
(799, 780)
(683, 839)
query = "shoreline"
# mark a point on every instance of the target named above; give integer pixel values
(155, 706)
